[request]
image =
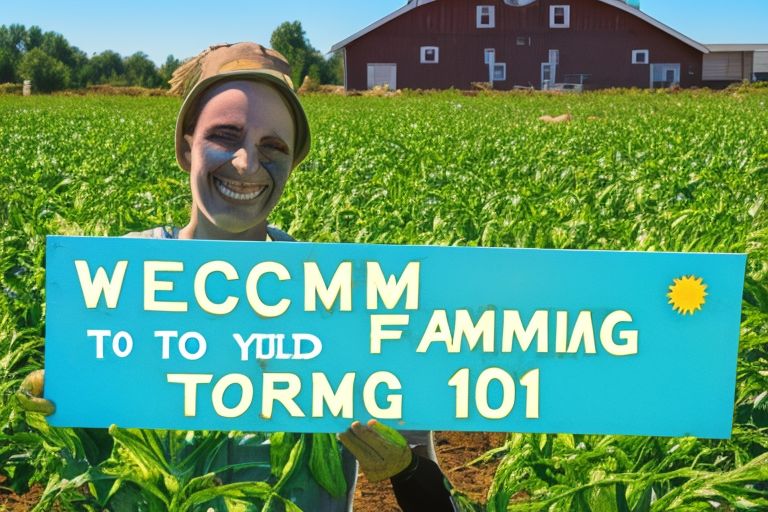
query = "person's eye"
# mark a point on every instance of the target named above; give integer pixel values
(224, 136)
(272, 144)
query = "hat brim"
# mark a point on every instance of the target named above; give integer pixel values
(302, 142)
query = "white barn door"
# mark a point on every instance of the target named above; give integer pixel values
(382, 74)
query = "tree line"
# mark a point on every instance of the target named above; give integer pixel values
(52, 63)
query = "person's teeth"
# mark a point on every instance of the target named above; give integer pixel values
(225, 190)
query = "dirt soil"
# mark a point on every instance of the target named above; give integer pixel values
(12, 502)
(454, 451)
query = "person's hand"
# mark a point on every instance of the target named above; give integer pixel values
(381, 450)
(30, 394)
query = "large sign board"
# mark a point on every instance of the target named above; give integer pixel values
(266, 336)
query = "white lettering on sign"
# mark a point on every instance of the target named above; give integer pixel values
(99, 334)
(381, 291)
(582, 335)
(339, 402)
(378, 333)
(285, 396)
(252, 289)
(200, 345)
(190, 381)
(339, 289)
(246, 395)
(395, 408)
(152, 285)
(391, 290)
(629, 336)
(272, 346)
(201, 279)
(286, 388)
(513, 329)
(461, 381)
(122, 342)
(94, 287)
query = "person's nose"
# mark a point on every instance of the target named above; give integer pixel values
(246, 160)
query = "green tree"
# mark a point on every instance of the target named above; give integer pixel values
(290, 39)
(105, 67)
(11, 47)
(56, 45)
(167, 69)
(333, 72)
(141, 71)
(47, 74)
(13, 38)
(33, 38)
(7, 66)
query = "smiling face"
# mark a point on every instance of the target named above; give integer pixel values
(240, 154)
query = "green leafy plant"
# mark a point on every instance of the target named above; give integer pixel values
(635, 170)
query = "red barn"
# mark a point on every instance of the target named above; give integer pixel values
(437, 44)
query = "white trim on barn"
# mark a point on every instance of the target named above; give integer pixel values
(565, 12)
(489, 57)
(486, 11)
(548, 71)
(427, 52)
(619, 4)
(376, 24)
(737, 47)
(660, 74)
(346, 67)
(636, 57)
(499, 71)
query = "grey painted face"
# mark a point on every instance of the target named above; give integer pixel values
(241, 155)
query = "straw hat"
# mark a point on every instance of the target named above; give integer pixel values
(239, 61)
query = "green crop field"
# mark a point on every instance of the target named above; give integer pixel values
(685, 171)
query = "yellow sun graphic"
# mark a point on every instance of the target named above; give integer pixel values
(687, 294)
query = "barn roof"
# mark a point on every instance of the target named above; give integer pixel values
(737, 47)
(376, 24)
(619, 4)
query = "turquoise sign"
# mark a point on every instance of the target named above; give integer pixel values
(268, 336)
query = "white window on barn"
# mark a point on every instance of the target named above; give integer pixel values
(486, 16)
(499, 71)
(559, 16)
(640, 56)
(554, 57)
(430, 55)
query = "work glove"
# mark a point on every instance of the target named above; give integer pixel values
(381, 451)
(30, 394)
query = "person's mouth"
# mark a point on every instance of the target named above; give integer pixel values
(238, 190)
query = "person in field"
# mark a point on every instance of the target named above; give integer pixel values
(240, 133)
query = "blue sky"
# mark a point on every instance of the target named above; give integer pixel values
(183, 28)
